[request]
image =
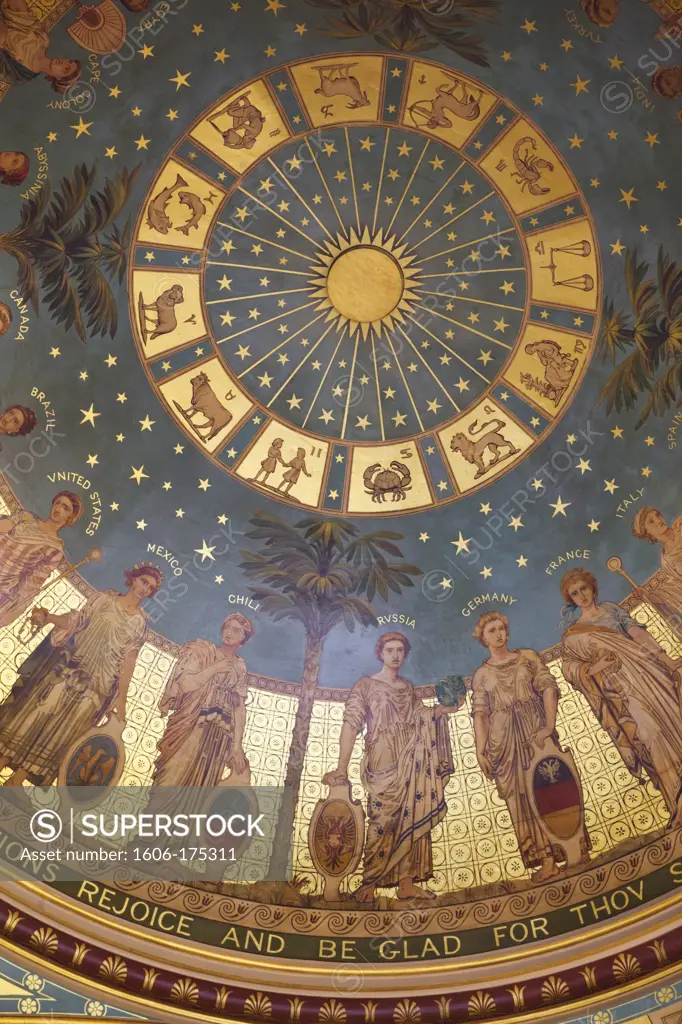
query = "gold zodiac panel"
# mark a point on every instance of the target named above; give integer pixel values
(564, 265)
(168, 312)
(337, 91)
(526, 170)
(206, 402)
(482, 443)
(445, 103)
(284, 462)
(382, 476)
(547, 366)
(242, 127)
(181, 209)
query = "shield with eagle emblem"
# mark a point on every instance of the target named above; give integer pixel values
(557, 795)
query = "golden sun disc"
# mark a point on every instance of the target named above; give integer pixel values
(365, 283)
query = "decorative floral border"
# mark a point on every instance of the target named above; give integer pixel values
(201, 997)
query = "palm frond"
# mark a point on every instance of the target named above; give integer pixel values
(665, 391)
(629, 379)
(96, 300)
(70, 196)
(615, 335)
(670, 285)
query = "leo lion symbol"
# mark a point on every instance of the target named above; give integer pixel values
(473, 451)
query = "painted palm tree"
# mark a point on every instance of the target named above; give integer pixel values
(651, 335)
(413, 25)
(320, 573)
(63, 254)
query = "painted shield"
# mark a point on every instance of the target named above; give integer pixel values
(335, 837)
(557, 796)
(94, 762)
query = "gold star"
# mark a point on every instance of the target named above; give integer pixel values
(628, 197)
(544, 67)
(516, 523)
(529, 26)
(576, 142)
(270, 51)
(584, 466)
(661, 186)
(363, 422)
(486, 509)
(404, 150)
(180, 79)
(566, 45)
(437, 163)
(136, 111)
(580, 84)
(89, 415)
(595, 182)
(114, 92)
(521, 562)
(146, 51)
(643, 229)
(81, 128)
(294, 402)
(646, 472)
(300, 29)
(538, 100)
(205, 551)
(610, 486)
(613, 135)
(274, 6)
(172, 115)
(138, 475)
(617, 248)
(110, 152)
(203, 485)
(54, 352)
(197, 30)
(462, 544)
(396, 72)
(486, 572)
(652, 139)
(146, 423)
(616, 63)
(649, 441)
(559, 507)
(52, 137)
(617, 432)
(593, 525)
(506, 56)
(142, 143)
(221, 55)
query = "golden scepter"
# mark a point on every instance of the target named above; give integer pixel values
(94, 555)
(614, 564)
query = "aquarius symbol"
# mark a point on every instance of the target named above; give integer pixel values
(581, 282)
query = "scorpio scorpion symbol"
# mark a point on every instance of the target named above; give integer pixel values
(529, 168)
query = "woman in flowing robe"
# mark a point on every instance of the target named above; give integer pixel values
(23, 50)
(206, 695)
(30, 550)
(405, 769)
(630, 684)
(515, 701)
(649, 524)
(97, 647)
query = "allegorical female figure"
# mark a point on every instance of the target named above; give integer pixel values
(87, 674)
(650, 525)
(206, 695)
(406, 766)
(629, 682)
(23, 50)
(14, 167)
(30, 550)
(515, 700)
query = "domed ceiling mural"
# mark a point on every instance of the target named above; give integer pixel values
(339, 497)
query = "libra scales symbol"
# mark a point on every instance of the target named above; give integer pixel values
(582, 282)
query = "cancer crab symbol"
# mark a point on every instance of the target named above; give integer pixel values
(387, 481)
